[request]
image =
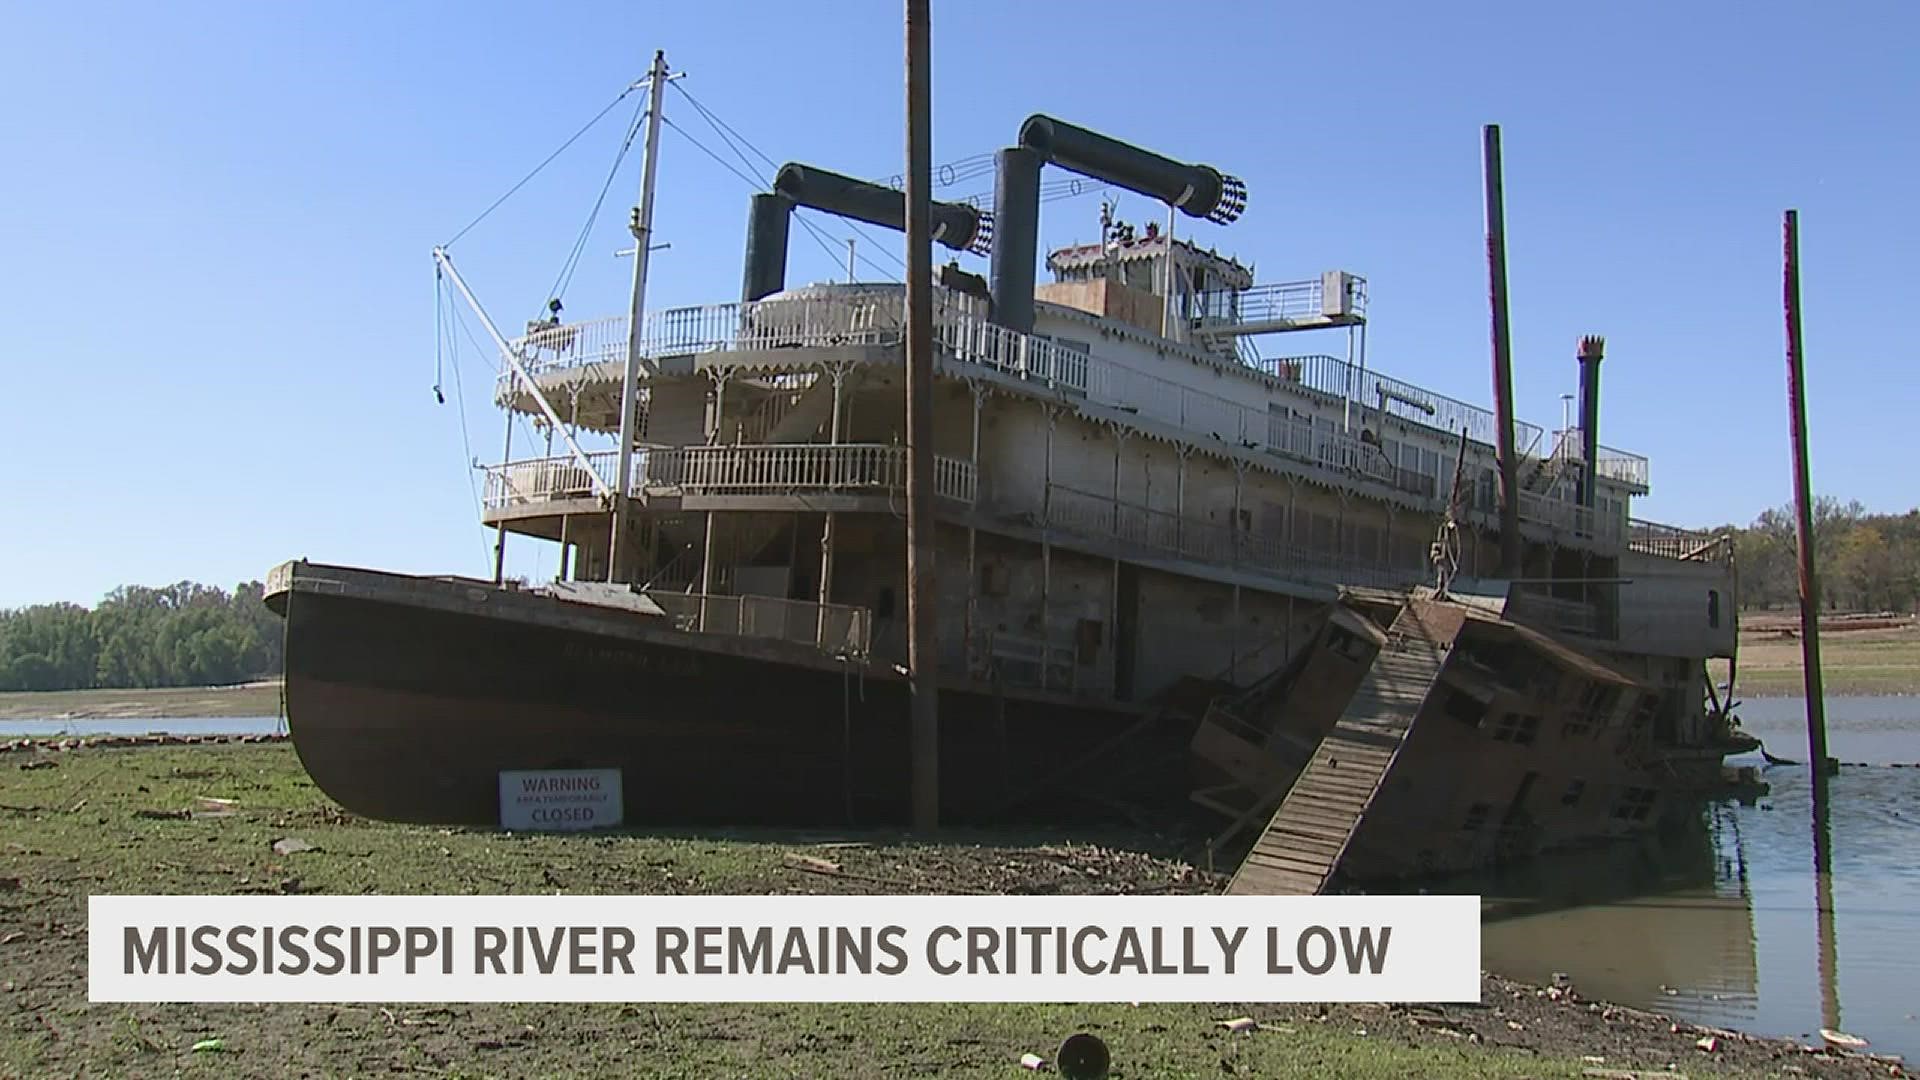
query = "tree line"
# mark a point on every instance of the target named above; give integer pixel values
(188, 634)
(185, 634)
(1865, 562)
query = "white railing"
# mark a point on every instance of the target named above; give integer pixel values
(722, 470)
(962, 331)
(1567, 517)
(782, 469)
(1673, 542)
(1371, 389)
(568, 345)
(1162, 532)
(1630, 469)
(542, 480)
(1279, 302)
(954, 478)
(841, 629)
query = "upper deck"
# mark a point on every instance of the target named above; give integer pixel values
(1386, 437)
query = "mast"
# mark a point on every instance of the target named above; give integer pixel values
(641, 224)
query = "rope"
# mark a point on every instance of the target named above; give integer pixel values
(536, 169)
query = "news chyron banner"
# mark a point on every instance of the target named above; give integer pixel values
(783, 948)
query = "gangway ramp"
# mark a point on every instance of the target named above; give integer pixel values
(1304, 841)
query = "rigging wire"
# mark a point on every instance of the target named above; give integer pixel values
(735, 140)
(565, 279)
(443, 314)
(516, 416)
(813, 230)
(597, 117)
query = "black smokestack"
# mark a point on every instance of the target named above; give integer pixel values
(1016, 204)
(1591, 349)
(957, 225)
(768, 221)
(1196, 190)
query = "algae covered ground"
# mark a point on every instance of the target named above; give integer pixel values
(203, 820)
(250, 699)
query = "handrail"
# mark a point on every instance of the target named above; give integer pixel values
(759, 468)
(1167, 533)
(842, 629)
(875, 317)
(1674, 542)
(547, 479)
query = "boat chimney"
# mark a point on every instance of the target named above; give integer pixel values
(1016, 205)
(768, 223)
(1591, 348)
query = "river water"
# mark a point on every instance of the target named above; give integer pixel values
(1720, 924)
(1723, 926)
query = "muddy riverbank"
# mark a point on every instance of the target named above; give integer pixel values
(249, 699)
(203, 819)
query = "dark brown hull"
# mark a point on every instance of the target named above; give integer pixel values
(404, 712)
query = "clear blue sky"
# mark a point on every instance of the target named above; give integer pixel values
(216, 220)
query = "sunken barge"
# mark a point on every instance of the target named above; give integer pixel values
(1175, 567)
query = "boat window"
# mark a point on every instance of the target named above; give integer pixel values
(1574, 790)
(1517, 728)
(1713, 608)
(1597, 703)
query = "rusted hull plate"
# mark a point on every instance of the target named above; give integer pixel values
(408, 713)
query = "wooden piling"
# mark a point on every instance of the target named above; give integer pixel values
(1803, 506)
(922, 653)
(1510, 548)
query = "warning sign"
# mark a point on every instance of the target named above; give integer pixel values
(556, 800)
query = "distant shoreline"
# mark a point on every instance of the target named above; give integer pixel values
(249, 699)
(1872, 660)
(1857, 656)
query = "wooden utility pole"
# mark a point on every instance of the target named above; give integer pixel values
(1502, 353)
(1803, 524)
(922, 653)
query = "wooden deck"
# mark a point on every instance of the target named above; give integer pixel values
(1308, 834)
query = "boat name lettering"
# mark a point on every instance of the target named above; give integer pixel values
(668, 664)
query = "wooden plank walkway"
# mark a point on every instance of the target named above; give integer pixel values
(1308, 834)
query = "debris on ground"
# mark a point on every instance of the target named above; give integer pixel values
(291, 845)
